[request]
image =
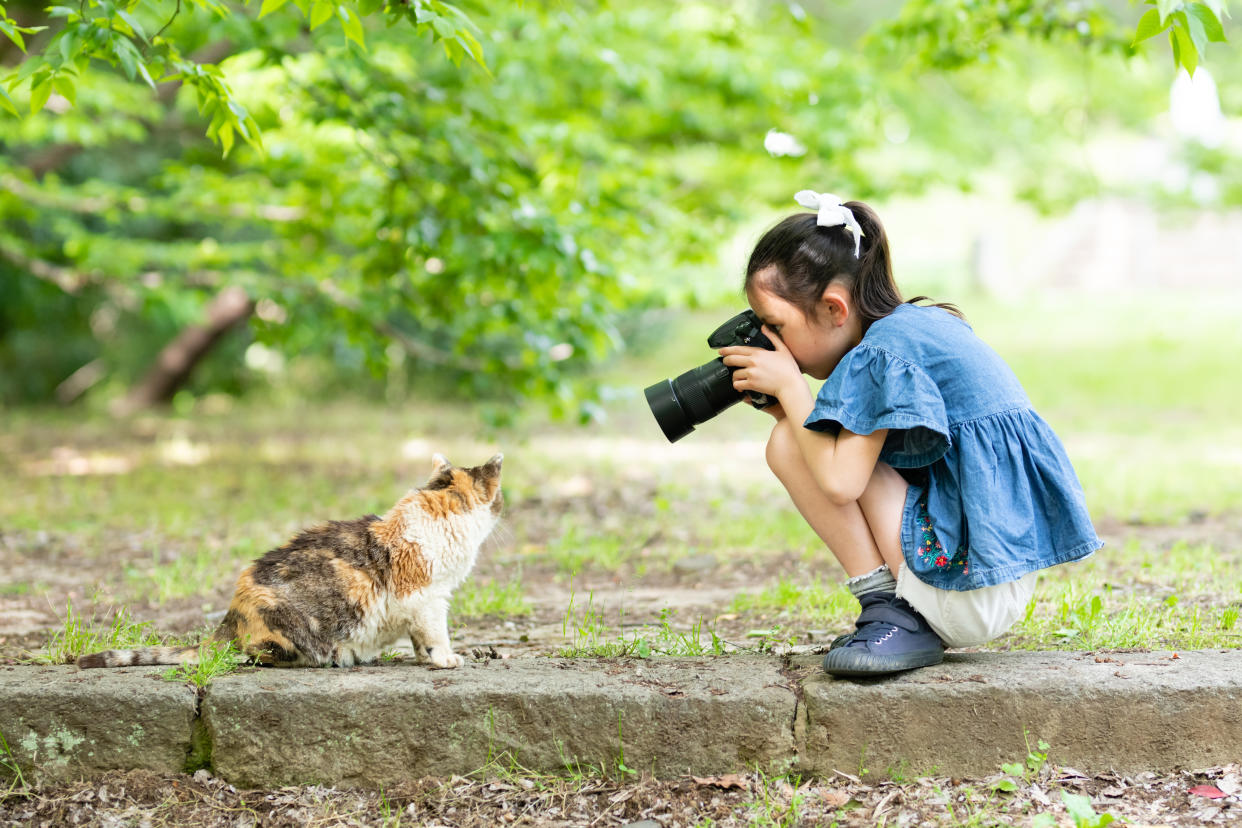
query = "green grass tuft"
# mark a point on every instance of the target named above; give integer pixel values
(78, 637)
(215, 658)
(475, 599)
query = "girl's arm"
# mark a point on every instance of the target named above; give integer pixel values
(842, 464)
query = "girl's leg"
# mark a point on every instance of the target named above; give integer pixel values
(861, 535)
(890, 635)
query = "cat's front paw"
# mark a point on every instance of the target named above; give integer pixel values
(443, 658)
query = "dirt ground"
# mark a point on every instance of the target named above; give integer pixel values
(1211, 796)
(142, 798)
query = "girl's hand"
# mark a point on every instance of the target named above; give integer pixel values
(767, 372)
(775, 409)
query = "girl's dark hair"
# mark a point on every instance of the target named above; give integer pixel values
(808, 258)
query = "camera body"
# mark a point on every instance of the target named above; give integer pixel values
(701, 393)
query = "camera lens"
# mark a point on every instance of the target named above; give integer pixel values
(693, 398)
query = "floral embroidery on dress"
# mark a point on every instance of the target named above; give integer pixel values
(930, 550)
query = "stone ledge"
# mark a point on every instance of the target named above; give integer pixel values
(1127, 712)
(62, 722)
(368, 726)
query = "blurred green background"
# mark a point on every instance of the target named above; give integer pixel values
(529, 212)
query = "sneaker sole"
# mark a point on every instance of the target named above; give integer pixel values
(853, 663)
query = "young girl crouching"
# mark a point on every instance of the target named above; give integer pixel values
(920, 463)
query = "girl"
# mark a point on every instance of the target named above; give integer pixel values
(920, 463)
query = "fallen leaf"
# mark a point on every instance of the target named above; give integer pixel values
(833, 799)
(1210, 791)
(729, 780)
(1231, 784)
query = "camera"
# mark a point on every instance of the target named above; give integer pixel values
(701, 393)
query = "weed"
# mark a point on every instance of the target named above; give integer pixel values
(592, 639)
(491, 598)
(621, 766)
(578, 546)
(1080, 810)
(769, 638)
(780, 803)
(215, 658)
(77, 637)
(1027, 770)
(181, 577)
(815, 601)
(389, 817)
(18, 786)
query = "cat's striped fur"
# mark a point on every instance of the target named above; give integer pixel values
(341, 593)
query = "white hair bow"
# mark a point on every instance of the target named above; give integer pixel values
(832, 213)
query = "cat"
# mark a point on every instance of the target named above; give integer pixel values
(340, 593)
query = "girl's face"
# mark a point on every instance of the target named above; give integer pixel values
(816, 342)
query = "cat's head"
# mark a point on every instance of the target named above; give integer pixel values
(467, 488)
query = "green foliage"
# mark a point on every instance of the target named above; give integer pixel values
(8, 763)
(77, 636)
(951, 34)
(215, 658)
(591, 637)
(1191, 26)
(492, 598)
(489, 229)
(1080, 810)
(114, 33)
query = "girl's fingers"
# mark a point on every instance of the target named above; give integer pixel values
(776, 338)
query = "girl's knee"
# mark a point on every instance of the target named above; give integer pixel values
(782, 450)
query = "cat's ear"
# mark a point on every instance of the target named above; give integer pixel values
(492, 467)
(439, 464)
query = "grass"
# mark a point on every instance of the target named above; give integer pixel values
(9, 764)
(816, 601)
(164, 510)
(215, 658)
(491, 598)
(1180, 596)
(591, 637)
(77, 636)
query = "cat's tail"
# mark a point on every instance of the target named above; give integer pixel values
(140, 658)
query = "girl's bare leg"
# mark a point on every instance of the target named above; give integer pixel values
(861, 535)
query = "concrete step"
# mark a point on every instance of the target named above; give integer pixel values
(366, 726)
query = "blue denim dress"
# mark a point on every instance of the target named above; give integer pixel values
(997, 497)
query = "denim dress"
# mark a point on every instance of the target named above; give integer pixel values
(993, 495)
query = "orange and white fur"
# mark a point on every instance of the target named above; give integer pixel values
(341, 593)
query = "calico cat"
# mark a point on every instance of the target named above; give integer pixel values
(340, 593)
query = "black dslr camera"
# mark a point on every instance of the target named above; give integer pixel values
(701, 393)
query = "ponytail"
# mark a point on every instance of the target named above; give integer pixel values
(808, 257)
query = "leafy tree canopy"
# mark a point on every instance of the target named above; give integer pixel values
(481, 197)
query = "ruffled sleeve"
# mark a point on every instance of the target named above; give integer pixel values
(872, 389)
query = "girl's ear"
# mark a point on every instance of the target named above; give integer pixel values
(835, 304)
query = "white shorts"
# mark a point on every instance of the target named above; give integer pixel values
(972, 617)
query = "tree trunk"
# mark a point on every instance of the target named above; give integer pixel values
(175, 363)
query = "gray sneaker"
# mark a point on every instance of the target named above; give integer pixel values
(890, 637)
